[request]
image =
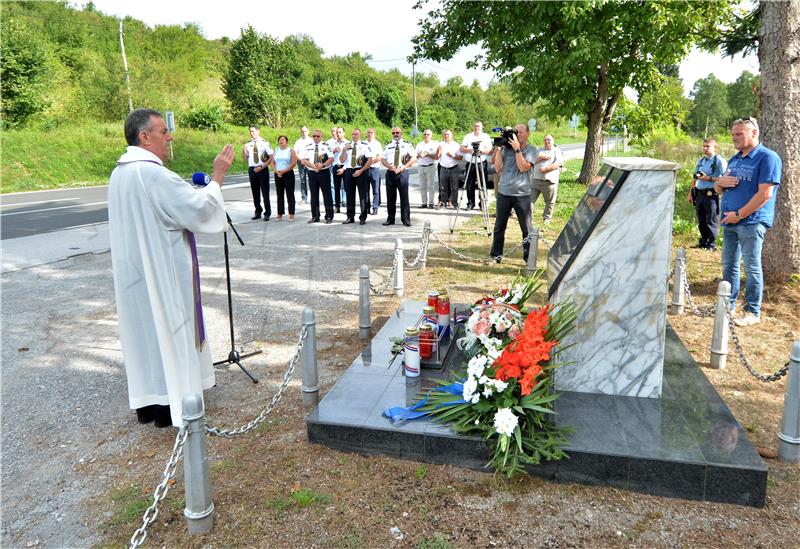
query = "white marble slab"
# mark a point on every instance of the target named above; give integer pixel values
(618, 281)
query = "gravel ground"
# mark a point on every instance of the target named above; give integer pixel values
(66, 426)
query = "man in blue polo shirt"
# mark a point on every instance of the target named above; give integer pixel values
(748, 208)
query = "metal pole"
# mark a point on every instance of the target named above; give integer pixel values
(789, 436)
(398, 270)
(364, 316)
(127, 78)
(199, 510)
(310, 372)
(677, 282)
(426, 236)
(533, 249)
(719, 339)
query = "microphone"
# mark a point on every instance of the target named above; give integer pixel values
(200, 179)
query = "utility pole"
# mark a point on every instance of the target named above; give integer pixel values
(125, 66)
(414, 91)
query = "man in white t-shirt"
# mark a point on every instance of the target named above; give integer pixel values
(427, 155)
(299, 148)
(544, 176)
(375, 150)
(484, 144)
(449, 154)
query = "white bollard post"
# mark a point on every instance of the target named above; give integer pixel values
(719, 338)
(426, 231)
(199, 510)
(364, 315)
(677, 282)
(533, 250)
(309, 357)
(789, 436)
(398, 271)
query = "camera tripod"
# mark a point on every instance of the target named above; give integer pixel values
(475, 165)
(234, 357)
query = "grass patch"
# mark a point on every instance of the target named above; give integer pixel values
(130, 503)
(421, 472)
(438, 541)
(299, 499)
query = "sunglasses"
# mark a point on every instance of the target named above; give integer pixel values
(395, 133)
(749, 120)
(317, 136)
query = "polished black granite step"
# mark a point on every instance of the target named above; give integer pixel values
(686, 444)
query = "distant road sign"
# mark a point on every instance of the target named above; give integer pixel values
(573, 122)
(532, 124)
(169, 118)
(414, 131)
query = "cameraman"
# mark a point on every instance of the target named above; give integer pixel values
(467, 149)
(702, 194)
(513, 162)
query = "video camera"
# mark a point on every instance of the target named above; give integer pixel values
(505, 135)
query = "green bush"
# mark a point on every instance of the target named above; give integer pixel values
(209, 116)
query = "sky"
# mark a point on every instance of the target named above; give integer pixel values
(383, 30)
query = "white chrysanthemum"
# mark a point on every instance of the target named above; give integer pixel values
(470, 386)
(476, 366)
(487, 391)
(484, 380)
(475, 398)
(498, 385)
(505, 421)
(493, 354)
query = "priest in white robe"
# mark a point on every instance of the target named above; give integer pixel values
(153, 214)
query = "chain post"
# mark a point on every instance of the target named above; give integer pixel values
(719, 338)
(533, 249)
(426, 231)
(398, 272)
(310, 370)
(677, 282)
(789, 435)
(364, 314)
(199, 510)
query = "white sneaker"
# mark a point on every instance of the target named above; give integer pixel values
(747, 319)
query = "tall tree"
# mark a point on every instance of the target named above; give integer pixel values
(24, 74)
(779, 44)
(258, 81)
(710, 113)
(743, 95)
(577, 55)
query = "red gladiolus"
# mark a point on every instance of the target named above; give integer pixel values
(522, 359)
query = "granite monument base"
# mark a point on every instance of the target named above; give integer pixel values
(686, 444)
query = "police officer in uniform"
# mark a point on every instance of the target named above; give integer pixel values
(257, 153)
(337, 144)
(356, 160)
(317, 159)
(398, 156)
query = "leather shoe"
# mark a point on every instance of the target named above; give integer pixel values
(315, 220)
(387, 223)
(407, 223)
(362, 222)
(348, 221)
(328, 221)
(338, 209)
(162, 416)
(424, 206)
(374, 211)
(257, 216)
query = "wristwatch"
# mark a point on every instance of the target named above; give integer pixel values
(517, 151)
(738, 217)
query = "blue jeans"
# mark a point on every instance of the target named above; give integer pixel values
(744, 242)
(302, 173)
(375, 181)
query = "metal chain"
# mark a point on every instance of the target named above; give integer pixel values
(423, 244)
(382, 290)
(138, 537)
(263, 415)
(485, 261)
(746, 363)
(702, 313)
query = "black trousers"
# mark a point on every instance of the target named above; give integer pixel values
(338, 180)
(707, 210)
(472, 181)
(448, 184)
(362, 184)
(320, 182)
(259, 185)
(285, 184)
(522, 206)
(397, 183)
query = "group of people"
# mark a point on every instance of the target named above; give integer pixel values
(739, 194)
(154, 213)
(340, 169)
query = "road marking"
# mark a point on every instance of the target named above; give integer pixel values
(39, 202)
(51, 209)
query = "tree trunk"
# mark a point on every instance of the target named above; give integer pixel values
(779, 58)
(594, 129)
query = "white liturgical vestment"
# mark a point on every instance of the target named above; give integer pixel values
(150, 209)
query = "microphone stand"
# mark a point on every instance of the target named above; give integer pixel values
(234, 357)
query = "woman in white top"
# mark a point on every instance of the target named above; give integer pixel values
(284, 160)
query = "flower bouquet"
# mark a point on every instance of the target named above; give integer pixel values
(505, 393)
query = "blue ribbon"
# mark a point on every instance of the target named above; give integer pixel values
(398, 413)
